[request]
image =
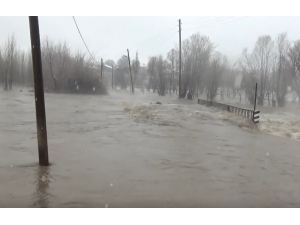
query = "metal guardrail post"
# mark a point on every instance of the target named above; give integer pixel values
(256, 116)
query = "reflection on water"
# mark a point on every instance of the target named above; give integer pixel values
(41, 195)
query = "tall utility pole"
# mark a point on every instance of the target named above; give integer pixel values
(255, 97)
(112, 77)
(132, 88)
(101, 68)
(39, 91)
(173, 69)
(179, 58)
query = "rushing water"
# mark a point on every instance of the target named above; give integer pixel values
(124, 150)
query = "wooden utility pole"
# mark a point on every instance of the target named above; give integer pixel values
(255, 94)
(39, 91)
(112, 77)
(101, 68)
(173, 69)
(132, 88)
(179, 58)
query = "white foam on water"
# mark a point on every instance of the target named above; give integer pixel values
(281, 124)
(278, 123)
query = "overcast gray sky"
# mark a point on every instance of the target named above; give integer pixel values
(109, 37)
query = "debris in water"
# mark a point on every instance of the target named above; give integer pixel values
(159, 103)
(111, 185)
(11, 166)
(267, 153)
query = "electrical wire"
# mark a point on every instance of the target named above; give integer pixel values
(158, 35)
(166, 38)
(83, 39)
(211, 21)
(220, 20)
(217, 23)
(233, 20)
(202, 20)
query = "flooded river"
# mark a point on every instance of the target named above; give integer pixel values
(124, 150)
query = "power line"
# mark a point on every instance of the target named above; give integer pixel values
(83, 39)
(203, 20)
(233, 20)
(209, 20)
(157, 35)
(167, 38)
(164, 39)
(217, 23)
(220, 20)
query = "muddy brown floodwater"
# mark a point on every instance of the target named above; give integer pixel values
(121, 151)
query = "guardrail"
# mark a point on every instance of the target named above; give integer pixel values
(251, 114)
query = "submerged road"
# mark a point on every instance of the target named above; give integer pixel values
(121, 151)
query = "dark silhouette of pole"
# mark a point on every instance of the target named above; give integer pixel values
(173, 70)
(132, 88)
(39, 91)
(179, 58)
(112, 77)
(255, 96)
(101, 68)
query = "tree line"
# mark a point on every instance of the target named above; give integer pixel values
(63, 70)
(273, 64)
(122, 72)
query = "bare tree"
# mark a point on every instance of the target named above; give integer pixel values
(171, 58)
(263, 54)
(231, 83)
(12, 47)
(8, 55)
(294, 56)
(250, 70)
(152, 73)
(63, 57)
(1, 67)
(29, 70)
(121, 75)
(57, 57)
(6, 58)
(202, 52)
(283, 68)
(20, 63)
(214, 74)
(161, 67)
(63, 71)
(196, 53)
(135, 68)
(49, 57)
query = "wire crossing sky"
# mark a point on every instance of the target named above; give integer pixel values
(109, 37)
